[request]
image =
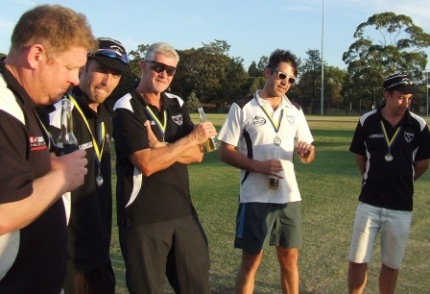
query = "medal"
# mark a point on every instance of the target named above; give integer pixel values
(388, 157)
(277, 141)
(99, 180)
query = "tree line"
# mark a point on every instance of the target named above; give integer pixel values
(386, 43)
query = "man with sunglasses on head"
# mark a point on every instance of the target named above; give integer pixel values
(392, 148)
(269, 210)
(155, 140)
(89, 268)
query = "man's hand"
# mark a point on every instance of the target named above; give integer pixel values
(72, 166)
(152, 139)
(203, 131)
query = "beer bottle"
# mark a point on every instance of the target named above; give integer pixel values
(66, 142)
(274, 181)
(211, 144)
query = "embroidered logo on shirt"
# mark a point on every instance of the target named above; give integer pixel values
(376, 136)
(291, 119)
(178, 119)
(37, 143)
(258, 121)
(408, 136)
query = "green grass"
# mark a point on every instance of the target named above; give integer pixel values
(329, 188)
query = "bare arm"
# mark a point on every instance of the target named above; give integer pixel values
(186, 150)
(231, 156)
(361, 163)
(420, 168)
(67, 173)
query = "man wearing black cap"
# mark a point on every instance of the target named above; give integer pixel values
(89, 230)
(392, 147)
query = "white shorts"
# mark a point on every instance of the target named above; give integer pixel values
(394, 226)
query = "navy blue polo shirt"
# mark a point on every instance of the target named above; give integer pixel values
(389, 184)
(164, 195)
(39, 264)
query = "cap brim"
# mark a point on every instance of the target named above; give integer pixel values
(407, 89)
(112, 63)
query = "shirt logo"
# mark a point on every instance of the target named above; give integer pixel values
(258, 121)
(178, 119)
(376, 136)
(291, 119)
(37, 143)
(408, 136)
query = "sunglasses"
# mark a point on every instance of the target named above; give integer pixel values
(159, 67)
(113, 54)
(283, 76)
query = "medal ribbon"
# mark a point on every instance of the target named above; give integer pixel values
(99, 152)
(388, 141)
(161, 127)
(276, 125)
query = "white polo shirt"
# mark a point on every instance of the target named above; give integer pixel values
(248, 127)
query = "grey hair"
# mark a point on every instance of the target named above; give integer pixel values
(163, 49)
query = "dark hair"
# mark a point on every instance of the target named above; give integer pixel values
(279, 56)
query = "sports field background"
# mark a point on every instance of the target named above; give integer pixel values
(329, 188)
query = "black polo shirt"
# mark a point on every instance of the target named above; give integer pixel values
(90, 223)
(164, 195)
(389, 184)
(38, 266)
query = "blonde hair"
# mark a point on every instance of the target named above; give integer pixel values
(56, 27)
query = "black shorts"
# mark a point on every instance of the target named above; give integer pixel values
(259, 225)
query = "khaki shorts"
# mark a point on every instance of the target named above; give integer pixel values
(394, 226)
(259, 225)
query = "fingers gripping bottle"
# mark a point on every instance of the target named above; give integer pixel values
(66, 142)
(211, 143)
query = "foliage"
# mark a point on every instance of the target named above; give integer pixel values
(394, 45)
(193, 102)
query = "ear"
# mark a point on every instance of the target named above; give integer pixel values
(267, 72)
(36, 55)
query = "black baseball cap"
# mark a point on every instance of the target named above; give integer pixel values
(111, 54)
(400, 82)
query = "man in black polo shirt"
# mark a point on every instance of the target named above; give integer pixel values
(89, 268)
(392, 147)
(43, 61)
(155, 140)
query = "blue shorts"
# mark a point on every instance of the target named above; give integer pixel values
(394, 226)
(259, 225)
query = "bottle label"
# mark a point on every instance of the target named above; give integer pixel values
(273, 183)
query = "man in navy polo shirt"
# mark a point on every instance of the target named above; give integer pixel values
(392, 147)
(89, 269)
(43, 62)
(155, 140)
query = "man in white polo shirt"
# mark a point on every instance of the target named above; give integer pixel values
(260, 136)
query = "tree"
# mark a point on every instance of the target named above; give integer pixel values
(309, 87)
(394, 45)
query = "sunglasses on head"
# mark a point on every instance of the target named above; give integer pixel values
(283, 76)
(159, 67)
(113, 54)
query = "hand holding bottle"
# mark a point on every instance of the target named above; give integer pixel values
(211, 143)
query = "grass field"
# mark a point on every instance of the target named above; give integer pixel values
(329, 188)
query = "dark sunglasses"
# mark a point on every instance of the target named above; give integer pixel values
(113, 54)
(283, 76)
(159, 67)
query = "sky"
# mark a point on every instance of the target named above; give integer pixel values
(253, 28)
